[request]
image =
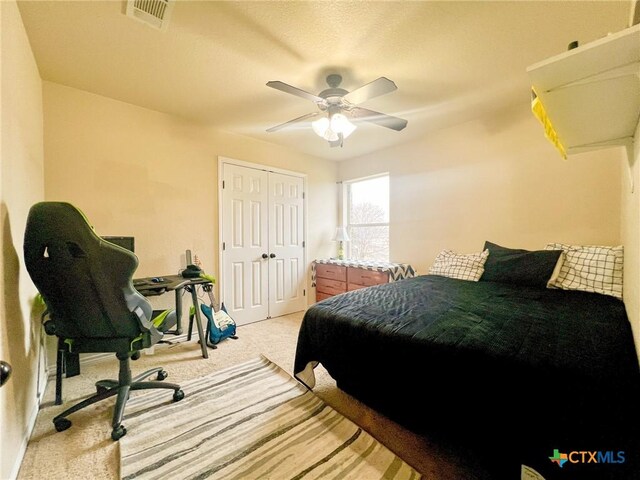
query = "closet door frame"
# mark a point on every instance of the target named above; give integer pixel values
(267, 168)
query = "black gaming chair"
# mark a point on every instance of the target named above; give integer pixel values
(86, 284)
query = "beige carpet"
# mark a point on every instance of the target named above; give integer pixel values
(86, 450)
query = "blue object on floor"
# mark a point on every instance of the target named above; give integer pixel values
(221, 325)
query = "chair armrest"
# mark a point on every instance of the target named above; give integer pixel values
(147, 326)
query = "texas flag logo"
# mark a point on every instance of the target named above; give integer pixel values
(559, 458)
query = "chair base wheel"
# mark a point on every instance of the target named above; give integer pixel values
(178, 395)
(162, 374)
(118, 433)
(62, 424)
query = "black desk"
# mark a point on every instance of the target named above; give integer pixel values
(177, 283)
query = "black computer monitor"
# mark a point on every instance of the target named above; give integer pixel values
(124, 242)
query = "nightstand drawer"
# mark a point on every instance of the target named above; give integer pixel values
(332, 287)
(333, 272)
(367, 278)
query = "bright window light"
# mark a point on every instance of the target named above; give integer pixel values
(368, 219)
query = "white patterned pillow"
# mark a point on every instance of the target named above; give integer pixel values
(469, 266)
(589, 268)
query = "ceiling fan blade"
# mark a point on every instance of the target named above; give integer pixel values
(378, 87)
(295, 120)
(382, 119)
(283, 87)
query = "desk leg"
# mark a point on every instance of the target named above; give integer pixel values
(208, 287)
(201, 335)
(178, 311)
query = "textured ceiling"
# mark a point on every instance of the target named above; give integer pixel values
(452, 61)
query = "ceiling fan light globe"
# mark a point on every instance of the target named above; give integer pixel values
(331, 136)
(320, 126)
(341, 124)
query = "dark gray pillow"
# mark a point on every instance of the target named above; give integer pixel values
(519, 267)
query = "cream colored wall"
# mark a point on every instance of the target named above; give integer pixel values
(630, 233)
(494, 179)
(154, 176)
(21, 174)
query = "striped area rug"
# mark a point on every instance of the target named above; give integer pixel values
(250, 421)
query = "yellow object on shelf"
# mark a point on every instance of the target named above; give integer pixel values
(538, 110)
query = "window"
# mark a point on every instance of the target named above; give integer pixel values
(367, 214)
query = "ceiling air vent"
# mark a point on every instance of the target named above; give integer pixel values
(155, 13)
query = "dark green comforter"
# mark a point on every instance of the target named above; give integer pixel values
(563, 362)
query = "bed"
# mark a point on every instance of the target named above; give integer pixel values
(563, 362)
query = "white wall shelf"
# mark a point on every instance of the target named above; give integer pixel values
(591, 94)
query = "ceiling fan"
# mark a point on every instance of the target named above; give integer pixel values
(340, 106)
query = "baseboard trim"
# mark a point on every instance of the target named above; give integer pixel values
(31, 424)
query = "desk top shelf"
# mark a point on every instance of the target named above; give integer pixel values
(147, 287)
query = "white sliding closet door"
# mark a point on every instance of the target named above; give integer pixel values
(263, 243)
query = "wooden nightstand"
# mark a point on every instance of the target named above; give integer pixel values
(332, 277)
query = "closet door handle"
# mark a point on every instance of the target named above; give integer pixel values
(5, 372)
(265, 256)
(273, 255)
